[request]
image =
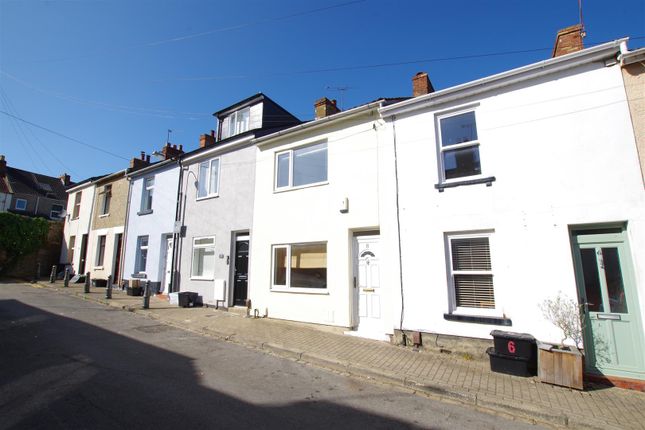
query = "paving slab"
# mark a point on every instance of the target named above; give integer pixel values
(442, 376)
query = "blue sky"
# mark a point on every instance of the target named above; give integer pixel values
(117, 74)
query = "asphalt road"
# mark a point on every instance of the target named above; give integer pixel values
(69, 364)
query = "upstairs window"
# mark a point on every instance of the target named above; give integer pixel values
(77, 205)
(106, 197)
(100, 251)
(208, 182)
(21, 204)
(142, 254)
(236, 123)
(55, 211)
(146, 195)
(459, 146)
(471, 272)
(301, 167)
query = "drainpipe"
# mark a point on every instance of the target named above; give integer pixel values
(176, 236)
(398, 225)
(124, 241)
(37, 203)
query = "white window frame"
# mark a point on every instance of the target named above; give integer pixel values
(290, 185)
(192, 258)
(55, 213)
(147, 190)
(100, 256)
(210, 193)
(461, 310)
(139, 253)
(235, 123)
(287, 287)
(76, 211)
(23, 205)
(473, 143)
(106, 200)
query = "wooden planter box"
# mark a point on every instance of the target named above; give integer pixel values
(560, 366)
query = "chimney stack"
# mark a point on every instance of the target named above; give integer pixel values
(65, 179)
(3, 166)
(568, 40)
(207, 139)
(169, 151)
(325, 107)
(421, 85)
(140, 163)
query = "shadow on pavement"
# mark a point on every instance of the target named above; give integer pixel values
(57, 372)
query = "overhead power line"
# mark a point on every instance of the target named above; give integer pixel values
(64, 136)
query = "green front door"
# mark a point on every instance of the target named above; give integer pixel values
(613, 330)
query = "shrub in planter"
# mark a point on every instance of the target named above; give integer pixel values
(562, 364)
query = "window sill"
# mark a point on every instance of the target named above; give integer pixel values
(98, 267)
(478, 319)
(212, 196)
(145, 212)
(196, 278)
(301, 187)
(488, 181)
(104, 215)
(314, 291)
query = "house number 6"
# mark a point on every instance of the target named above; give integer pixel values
(511, 347)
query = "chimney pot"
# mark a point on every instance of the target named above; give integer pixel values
(324, 107)
(65, 179)
(568, 40)
(213, 133)
(181, 148)
(143, 155)
(147, 158)
(421, 84)
(3, 166)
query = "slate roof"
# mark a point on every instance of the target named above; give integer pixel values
(24, 182)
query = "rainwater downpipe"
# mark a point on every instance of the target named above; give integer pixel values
(176, 235)
(124, 241)
(398, 227)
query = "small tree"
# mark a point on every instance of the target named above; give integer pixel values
(19, 236)
(564, 313)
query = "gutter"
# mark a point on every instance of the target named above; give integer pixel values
(312, 125)
(504, 79)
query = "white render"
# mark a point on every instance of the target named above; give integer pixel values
(357, 162)
(109, 258)
(561, 147)
(157, 225)
(78, 226)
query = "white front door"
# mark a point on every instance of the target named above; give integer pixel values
(368, 286)
(168, 269)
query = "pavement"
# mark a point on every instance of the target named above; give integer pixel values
(440, 376)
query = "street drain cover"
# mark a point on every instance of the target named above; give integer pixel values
(153, 328)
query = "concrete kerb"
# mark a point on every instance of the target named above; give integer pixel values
(443, 393)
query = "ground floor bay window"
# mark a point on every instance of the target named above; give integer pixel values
(302, 265)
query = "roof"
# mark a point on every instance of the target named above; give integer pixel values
(552, 65)
(243, 103)
(25, 182)
(86, 181)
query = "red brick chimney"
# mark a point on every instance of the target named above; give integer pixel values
(568, 40)
(140, 163)
(171, 151)
(65, 179)
(325, 107)
(421, 85)
(3, 166)
(207, 139)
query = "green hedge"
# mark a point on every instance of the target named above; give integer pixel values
(19, 236)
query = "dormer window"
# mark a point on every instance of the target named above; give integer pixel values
(236, 123)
